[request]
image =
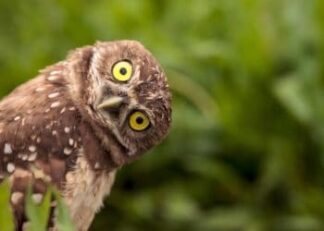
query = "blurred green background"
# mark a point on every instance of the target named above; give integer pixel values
(246, 151)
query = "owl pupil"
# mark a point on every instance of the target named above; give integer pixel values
(139, 120)
(123, 71)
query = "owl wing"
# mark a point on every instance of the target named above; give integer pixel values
(39, 139)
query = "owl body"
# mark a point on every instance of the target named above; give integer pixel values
(78, 122)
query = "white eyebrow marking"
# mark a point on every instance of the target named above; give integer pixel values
(7, 148)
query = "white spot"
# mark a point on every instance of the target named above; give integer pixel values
(7, 148)
(32, 156)
(72, 108)
(71, 141)
(16, 197)
(32, 148)
(23, 122)
(55, 104)
(17, 118)
(67, 130)
(40, 89)
(53, 95)
(24, 157)
(67, 151)
(37, 198)
(97, 165)
(10, 167)
(38, 140)
(54, 133)
(39, 174)
(63, 110)
(47, 110)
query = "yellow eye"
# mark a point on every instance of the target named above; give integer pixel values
(138, 121)
(122, 71)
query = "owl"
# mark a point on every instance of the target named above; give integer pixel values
(78, 122)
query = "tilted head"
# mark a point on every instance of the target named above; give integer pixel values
(125, 91)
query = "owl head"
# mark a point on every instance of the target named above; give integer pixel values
(123, 91)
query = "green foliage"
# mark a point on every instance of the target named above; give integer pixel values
(38, 214)
(6, 218)
(63, 220)
(246, 151)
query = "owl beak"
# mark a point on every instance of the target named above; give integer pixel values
(110, 103)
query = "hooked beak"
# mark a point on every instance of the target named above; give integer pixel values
(111, 103)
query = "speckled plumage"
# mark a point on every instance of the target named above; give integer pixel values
(53, 132)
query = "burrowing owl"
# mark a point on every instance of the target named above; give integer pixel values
(78, 122)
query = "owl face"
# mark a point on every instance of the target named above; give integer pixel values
(128, 95)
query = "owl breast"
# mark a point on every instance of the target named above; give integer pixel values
(85, 190)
